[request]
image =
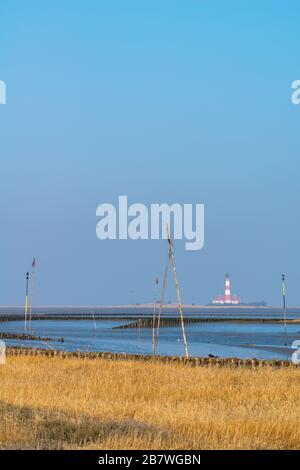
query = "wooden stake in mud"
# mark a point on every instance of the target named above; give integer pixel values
(171, 259)
(94, 320)
(139, 335)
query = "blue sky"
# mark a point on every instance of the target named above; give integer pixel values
(167, 101)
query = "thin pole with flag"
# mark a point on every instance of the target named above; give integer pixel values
(284, 302)
(26, 302)
(32, 287)
(154, 313)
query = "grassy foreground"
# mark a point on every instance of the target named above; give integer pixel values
(53, 403)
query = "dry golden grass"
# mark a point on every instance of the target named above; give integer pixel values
(100, 404)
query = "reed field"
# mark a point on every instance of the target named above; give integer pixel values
(55, 403)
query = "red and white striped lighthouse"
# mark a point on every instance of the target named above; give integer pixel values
(227, 290)
(227, 298)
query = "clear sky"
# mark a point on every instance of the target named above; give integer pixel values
(165, 101)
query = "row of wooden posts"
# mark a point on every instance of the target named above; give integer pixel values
(190, 361)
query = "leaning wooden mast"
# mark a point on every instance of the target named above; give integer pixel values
(171, 258)
(178, 293)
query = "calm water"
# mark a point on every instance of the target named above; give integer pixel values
(262, 341)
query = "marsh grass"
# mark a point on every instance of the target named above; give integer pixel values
(54, 403)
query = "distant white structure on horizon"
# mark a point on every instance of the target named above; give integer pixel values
(227, 298)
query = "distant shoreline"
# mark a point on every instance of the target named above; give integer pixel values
(151, 306)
